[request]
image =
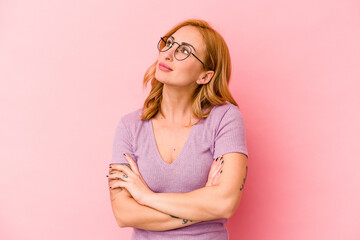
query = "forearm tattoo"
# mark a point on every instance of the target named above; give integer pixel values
(244, 179)
(184, 221)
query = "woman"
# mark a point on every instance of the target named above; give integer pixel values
(179, 164)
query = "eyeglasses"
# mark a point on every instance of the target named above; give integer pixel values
(182, 52)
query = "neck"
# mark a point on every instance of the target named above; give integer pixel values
(176, 105)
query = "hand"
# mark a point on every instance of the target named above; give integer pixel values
(215, 171)
(111, 181)
(131, 179)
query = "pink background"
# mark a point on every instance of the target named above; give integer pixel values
(70, 69)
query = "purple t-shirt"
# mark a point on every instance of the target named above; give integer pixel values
(221, 132)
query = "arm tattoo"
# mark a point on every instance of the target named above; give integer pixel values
(242, 187)
(184, 221)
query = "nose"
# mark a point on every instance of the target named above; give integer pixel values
(169, 54)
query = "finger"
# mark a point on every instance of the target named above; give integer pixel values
(118, 184)
(119, 167)
(132, 164)
(113, 170)
(218, 167)
(217, 170)
(116, 176)
(112, 178)
(215, 180)
(112, 167)
(213, 166)
(213, 171)
(124, 169)
(111, 182)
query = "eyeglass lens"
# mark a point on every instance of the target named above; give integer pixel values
(181, 52)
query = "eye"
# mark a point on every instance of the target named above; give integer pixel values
(168, 43)
(184, 50)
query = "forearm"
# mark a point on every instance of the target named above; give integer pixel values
(207, 203)
(129, 213)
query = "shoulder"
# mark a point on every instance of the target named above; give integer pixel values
(132, 116)
(225, 107)
(131, 120)
(225, 111)
(222, 114)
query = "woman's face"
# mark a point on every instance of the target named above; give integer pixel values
(186, 72)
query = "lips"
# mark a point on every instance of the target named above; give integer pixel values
(164, 67)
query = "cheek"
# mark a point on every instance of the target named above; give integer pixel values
(191, 72)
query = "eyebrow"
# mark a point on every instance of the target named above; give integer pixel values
(185, 43)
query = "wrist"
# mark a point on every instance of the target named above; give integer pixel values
(150, 198)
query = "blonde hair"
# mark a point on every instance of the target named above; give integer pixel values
(205, 96)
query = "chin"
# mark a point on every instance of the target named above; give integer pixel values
(159, 77)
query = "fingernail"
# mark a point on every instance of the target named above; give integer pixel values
(216, 159)
(107, 176)
(110, 167)
(221, 171)
(222, 162)
(109, 187)
(124, 154)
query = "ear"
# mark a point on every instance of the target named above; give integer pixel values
(205, 77)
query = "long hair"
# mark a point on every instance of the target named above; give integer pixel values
(205, 96)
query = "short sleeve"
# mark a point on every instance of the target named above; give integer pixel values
(121, 144)
(230, 135)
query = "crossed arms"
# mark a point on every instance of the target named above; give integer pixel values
(166, 211)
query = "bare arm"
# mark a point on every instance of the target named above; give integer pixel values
(207, 203)
(129, 213)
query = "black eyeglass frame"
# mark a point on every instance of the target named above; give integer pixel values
(191, 53)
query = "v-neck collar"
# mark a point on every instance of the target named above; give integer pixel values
(156, 149)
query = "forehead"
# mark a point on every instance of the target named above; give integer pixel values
(191, 35)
